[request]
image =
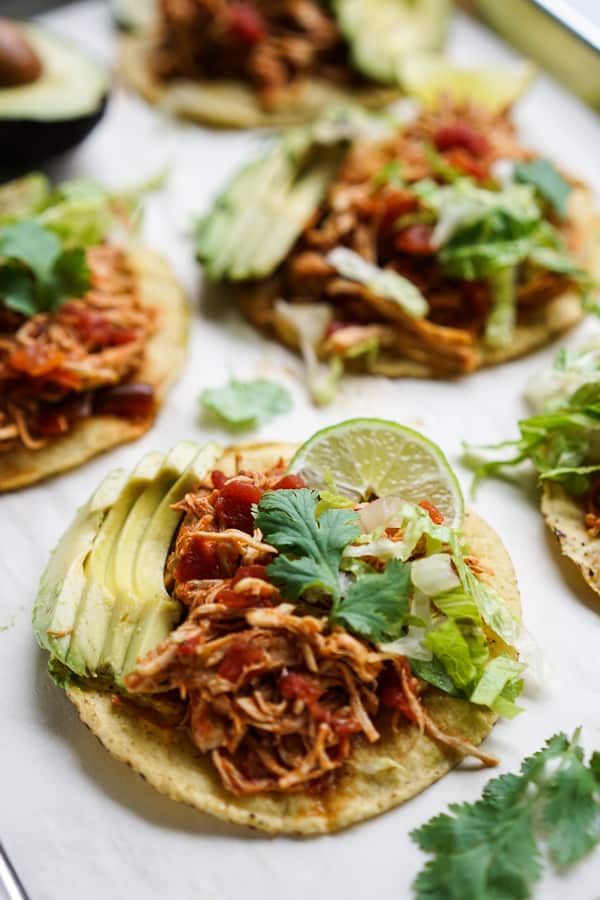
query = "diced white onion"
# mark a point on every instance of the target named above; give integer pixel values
(434, 574)
(386, 512)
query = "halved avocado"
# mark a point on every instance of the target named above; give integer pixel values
(57, 109)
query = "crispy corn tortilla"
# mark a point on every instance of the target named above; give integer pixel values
(564, 516)
(163, 358)
(538, 329)
(377, 776)
(228, 104)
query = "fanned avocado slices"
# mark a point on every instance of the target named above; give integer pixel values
(382, 34)
(55, 612)
(256, 220)
(102, 600)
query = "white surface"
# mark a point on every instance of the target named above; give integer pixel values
(76, 823)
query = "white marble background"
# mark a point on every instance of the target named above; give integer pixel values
(78, 824)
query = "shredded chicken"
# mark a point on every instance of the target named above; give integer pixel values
(55, 366)
(273, 45)
(273, 692)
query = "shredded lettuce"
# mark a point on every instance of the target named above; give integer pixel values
(499, 684)
(309, 321)
(383, 282)
(501, 320)
(563, 440)
(486, 216)
(461, 651)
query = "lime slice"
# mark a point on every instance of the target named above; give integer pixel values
(428, 77)
(372, 457)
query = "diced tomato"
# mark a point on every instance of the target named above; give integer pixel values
(246, 24)
(198, 561)
(189, 647)
(289, 482)
(129, 401)
(234, 504)
(52, 422)
(55, 419)
(218, 479)
(334, 326)
(393, 697)
(461, 159)
(416, 240)
(36, 360)
(94, 328)
(343, 726)
(395, 204)
(250, 572)
(238, 657)
(434, 513)
(461, 135)
(295, 686)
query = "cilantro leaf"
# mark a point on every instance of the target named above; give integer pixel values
(287, 519)
(34, 246)
(548, 182)
(571, 811)
(36, 273)
(241, 405)
(491, 849)
(376, 604)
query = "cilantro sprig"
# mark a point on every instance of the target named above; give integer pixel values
(37, 273)
(492, 849)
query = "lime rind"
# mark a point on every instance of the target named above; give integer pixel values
(375, 457)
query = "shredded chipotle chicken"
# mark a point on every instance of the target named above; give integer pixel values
(384, 221)
(273, 692)
(271, 44)
(58, 367)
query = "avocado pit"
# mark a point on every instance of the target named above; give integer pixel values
(19, 62)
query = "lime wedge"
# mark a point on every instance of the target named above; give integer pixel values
(429, 77)
(365, 458)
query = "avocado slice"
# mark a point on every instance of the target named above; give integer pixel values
(23, 197)
(255, 222)
(64, 578)
(159, 612)
(383, 33)
(97, 601)
(55, 111)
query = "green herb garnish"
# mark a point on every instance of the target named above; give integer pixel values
(37, 273)
(242, 405)
(492, 849)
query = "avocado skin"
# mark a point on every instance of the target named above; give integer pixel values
(25, 142)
